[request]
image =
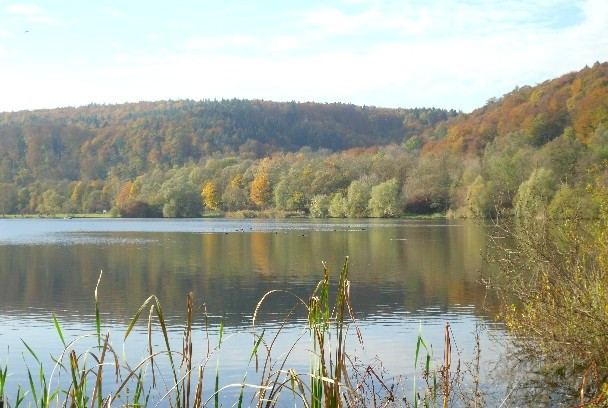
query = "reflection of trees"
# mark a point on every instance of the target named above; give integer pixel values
(433, 266)
(260, 253)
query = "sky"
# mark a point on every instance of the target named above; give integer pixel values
(409, 53)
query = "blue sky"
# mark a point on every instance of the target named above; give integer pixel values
(450, 54)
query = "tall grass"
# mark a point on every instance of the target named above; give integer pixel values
(334, 378)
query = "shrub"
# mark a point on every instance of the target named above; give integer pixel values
(554, 285)
(138, 209)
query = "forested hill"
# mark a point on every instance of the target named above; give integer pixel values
(76, 143)
(578, 100)
(180, 158)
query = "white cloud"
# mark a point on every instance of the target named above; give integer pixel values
(435, 18)
(112, 12)
(444, 54)
(490, 47)
(217, 43)
(43, 20)
(287, 43)
(32, 14)
(24, 9)
(334, 21)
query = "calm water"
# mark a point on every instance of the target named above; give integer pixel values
(403, 273)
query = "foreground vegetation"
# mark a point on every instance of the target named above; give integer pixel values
(97, 374)
(179, 159)
(553, 280)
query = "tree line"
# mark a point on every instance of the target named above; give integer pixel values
(184, 158)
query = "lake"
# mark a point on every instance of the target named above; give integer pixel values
(405, 275)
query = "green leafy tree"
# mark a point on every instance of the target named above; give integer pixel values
(95, 202)
(282, 193)
(8, 198)
(23, 199)
(598, 143)
(413, 145)
(384, 199)
(507, 162)
(51, 202)
(338, 207)
(428, 186)
(358, 195)
(535, 193)
(561, 155)
(572, 203)
(479, 202)
(319, 206)
(181, 198)
(235, 198)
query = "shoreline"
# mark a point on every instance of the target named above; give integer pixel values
(228, 215)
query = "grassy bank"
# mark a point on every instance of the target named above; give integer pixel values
(56, 216)
(245, 214)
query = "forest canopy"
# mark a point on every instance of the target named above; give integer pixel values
(184, 158)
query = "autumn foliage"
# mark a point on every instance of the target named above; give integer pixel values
(260, 190)
(184, 157)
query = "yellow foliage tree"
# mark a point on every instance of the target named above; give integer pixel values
(135, 189)
(77, 193)
(260, 190)
(211, 196)
(237, 181)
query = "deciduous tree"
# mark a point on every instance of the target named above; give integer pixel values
(260, 190)
(384, 199)
(211, 195)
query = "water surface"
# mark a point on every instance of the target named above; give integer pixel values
(404, 274)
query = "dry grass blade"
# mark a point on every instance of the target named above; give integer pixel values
(268, 362)
(187, 352)
(97, 389)
(132, 372)
(446, 367)
(257, 307)
(198, 394)
(225, 387)
(369, 371)
(293, 376)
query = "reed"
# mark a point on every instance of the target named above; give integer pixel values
(3, 376)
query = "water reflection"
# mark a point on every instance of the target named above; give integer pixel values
(411, 266)
(402, 273)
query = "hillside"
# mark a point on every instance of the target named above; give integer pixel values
(578, 100)
(86, 142)
(178, 158)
